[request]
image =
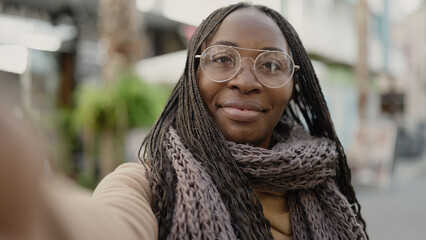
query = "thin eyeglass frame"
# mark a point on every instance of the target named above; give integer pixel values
(295, 67)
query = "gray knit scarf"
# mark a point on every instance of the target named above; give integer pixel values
(300, 165)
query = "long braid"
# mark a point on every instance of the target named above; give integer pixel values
(185, 111)
(161, 173)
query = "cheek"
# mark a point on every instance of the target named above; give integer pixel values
(280, 101)
(283, 97)
(202, 86)
(208, 89)
(288, 95)
(201, 83)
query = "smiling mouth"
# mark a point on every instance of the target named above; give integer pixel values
(242, 110)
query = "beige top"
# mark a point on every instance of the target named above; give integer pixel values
(121, 209)
(276, 210)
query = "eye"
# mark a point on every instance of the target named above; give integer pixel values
(222, 59)
(270, 65)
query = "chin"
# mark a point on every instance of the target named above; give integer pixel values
(245, 138)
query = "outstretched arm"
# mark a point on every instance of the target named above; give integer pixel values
(119, 208)
(33, 206)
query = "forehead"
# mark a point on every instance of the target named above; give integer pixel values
(249, 28)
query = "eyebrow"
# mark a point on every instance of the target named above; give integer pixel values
(228, 43)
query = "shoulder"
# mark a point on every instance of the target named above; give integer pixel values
(125, 196)
(127, 178)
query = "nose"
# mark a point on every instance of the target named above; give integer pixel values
(245, 80)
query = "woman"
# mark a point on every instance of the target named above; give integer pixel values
(227, 158)
(229, 92)
(205, 114)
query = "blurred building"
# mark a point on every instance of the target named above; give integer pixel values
(39, 41)
(410, 34)
(56, 44)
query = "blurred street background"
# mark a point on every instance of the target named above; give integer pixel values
(93, 75)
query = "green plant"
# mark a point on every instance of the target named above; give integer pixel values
(100, 108)
(102, 116)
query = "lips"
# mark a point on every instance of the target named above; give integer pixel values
(242, 110)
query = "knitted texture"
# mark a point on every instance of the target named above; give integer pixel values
(200, 212)
(300, 165)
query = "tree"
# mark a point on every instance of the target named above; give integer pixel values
(120, 26)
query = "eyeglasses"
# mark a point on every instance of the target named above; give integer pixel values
(221, 63)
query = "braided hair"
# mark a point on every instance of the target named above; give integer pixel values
(186, 112)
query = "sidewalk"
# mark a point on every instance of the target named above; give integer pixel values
(400, 211)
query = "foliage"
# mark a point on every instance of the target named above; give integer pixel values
(99, 109)
(94, 108)
(143, 101)
(130, 101)
(86, 180)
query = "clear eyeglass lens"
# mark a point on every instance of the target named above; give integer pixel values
(221, 63)
(274, 69)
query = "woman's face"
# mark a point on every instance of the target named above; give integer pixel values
(245, 110)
